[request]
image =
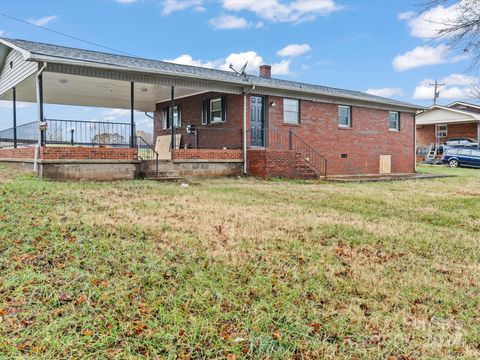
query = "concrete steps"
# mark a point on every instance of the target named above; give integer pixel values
(167, 171)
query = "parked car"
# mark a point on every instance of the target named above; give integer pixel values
(460, 142)
(468, 156)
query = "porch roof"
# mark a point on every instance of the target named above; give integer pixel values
(42, 52)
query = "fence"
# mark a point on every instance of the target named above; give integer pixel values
(71, 132)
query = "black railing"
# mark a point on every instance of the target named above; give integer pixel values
(209, 137)
(71, 132)
(146, 153)
(284, 139)
(88, 133)
(27, 134)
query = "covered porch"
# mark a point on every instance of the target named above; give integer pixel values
(108, 150)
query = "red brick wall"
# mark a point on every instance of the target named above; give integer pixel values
(87, 153)
(208, 154)
(272, 163)
(19, 153)
(70, 153)
(426, 133)
(219, 135)
(368, 138)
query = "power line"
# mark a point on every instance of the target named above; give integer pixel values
(66, 35)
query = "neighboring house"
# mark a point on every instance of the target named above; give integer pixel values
(270, 127)
(441, 123)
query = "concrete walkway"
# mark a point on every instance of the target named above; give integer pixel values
(385, 177)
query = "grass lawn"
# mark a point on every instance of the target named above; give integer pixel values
(240, 268)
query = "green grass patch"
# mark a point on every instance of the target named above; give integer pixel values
(240, 268)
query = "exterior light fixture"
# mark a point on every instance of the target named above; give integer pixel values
(272, 104)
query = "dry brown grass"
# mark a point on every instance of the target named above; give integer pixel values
(249, 268)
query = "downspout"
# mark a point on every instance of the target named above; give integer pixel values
(245, 93)
(38, 145)
(415, 142)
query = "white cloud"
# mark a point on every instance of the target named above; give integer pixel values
(170, 6)
(281, 68)
(385, 92)
(429, 24)
(457, 86)
(294, 50)
(126, 1)
(227, 22)
(425, 55)
(186, 59)
(237, 60)
(115, 114)
(459, 79)
(42, 21)
(283, 11)
(6, 104)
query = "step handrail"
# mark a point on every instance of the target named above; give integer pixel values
(150, 148)
(309, 149)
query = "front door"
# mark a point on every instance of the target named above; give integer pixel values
(257, 121)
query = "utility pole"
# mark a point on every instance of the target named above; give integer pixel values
(436, 93)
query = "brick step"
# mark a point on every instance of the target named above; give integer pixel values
(303, 169)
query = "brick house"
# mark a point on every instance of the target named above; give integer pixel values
(351, 135)
(223, 122)
(441, 123)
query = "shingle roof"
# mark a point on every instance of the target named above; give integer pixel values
(48, 52)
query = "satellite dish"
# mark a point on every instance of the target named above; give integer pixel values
(242, 70)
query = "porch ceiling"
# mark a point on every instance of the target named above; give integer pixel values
(66, 89)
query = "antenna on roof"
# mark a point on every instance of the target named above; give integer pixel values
(240, 72)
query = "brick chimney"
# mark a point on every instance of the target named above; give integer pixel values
(266, 71)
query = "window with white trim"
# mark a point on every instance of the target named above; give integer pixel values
(442, 131)
(344, 116)
(394, 120)
(216, 110)
(291, 111)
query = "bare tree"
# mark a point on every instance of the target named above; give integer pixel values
(462, 29)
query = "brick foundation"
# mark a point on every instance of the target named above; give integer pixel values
(19, 153)
(271, 163)
(70, 153)
(207, 154)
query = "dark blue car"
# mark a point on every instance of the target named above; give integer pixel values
(467, 156)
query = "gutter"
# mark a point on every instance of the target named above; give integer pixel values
(37, 146)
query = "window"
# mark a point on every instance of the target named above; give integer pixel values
(394, 120)
(476, 152)
(344, 116)
(177, 117)
(214, 110)
(465, 152)
(291, 113)
(441, 131)
(452, 151)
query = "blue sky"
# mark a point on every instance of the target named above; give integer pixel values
(378, 46)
